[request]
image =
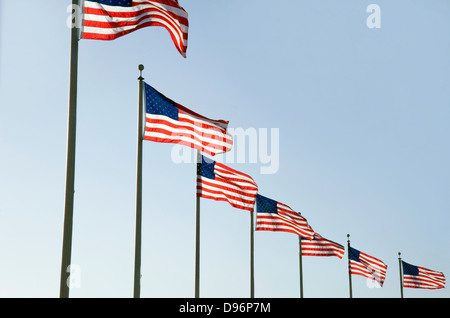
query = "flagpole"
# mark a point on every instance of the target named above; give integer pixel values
(138, 239)
(252, 258)
(197, 232)
(70, 169)
(349, 270)
(300, 265)
(400, 271)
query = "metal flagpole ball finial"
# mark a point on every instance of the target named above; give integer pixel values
(141, 68)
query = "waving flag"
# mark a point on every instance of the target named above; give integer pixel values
(420, 277)
(367, 266)
(275, 216)
(221, 183)
(167, 121)
(320, 246)
(110, 19)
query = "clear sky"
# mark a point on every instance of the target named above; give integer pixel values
(363, 120)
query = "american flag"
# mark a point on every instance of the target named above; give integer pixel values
(110, 19)
(221, 183)
(367, 266)
(320, 246)
(167, 121)
(421, 277)
(276, 216)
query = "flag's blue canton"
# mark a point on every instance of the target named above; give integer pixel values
(354, 254)
(121, 3)
(158, 104)
(207, 168)
(409, 269)
(264, 204)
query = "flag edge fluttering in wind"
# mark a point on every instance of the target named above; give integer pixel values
(109, 22)
(358, 267)
(425, 278)
(162, 128)
(276, 223)
(243, 197)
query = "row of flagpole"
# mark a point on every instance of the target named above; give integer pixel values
(138, 234)
(69, 195)
(400, 264)
(64, 291)
(167, 14)
(70, 174)
(349, 271)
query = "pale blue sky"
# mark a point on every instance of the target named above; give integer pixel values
(363, 116)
